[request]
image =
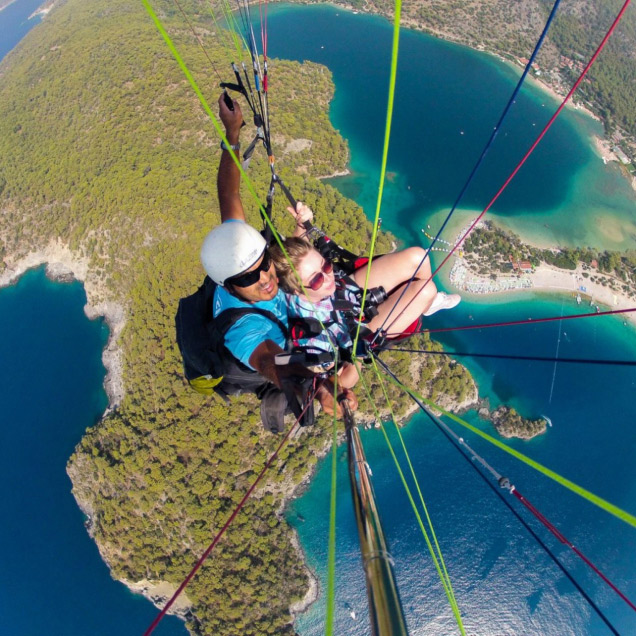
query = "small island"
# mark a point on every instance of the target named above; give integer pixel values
(509, 423)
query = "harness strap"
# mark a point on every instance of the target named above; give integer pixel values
(298, 391)
(247, 155)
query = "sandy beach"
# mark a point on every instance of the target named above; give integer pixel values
(560, 96)
(603, 149)
(604, 293)
(546, 278)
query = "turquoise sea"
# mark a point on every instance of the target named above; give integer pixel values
(53, 580)
(447, 100)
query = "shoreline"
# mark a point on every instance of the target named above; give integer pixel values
(159, 593)
(561, 288)
(550, 90)
(338, 173)
(44, 9)
(366, 421)
(544, 278)
(7, 4)
(313, 590)
(602, 145)
(603, 148)
(62, 265)
(291, 492)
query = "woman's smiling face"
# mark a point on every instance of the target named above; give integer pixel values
(316, 272)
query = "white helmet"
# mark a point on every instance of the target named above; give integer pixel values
(231, 248)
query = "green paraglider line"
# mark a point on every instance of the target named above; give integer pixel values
(621, 514)
(474, 459)
(385, 154)
(331, 546)
(435, 552)
(627, 517)
(227, 524)
(530, 150)
(235, 158)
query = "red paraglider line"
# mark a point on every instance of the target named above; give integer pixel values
(566, 542)
(510, 323)
(231, 518)
(530, 150)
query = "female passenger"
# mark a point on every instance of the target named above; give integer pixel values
(391, 271)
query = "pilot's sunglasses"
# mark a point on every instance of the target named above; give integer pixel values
(319, 279)
(249, 278)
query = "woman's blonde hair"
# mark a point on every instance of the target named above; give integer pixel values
(297, 249)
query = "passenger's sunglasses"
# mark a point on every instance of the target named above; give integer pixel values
(319, 279)
(249, 278)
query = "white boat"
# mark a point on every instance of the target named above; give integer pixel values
(547, 419)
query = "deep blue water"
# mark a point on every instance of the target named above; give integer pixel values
(15, 23)
(504, 583)
(52, 579)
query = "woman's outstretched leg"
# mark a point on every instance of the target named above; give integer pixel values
(393, 271)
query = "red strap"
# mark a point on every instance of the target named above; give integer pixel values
(220, 533)
(566, 542)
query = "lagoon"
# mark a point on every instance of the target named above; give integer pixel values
(448, 98)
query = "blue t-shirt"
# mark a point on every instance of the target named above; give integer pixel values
(249, 331)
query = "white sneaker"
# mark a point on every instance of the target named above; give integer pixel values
(443, 301)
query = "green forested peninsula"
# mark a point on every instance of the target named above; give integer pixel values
(105, 149)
